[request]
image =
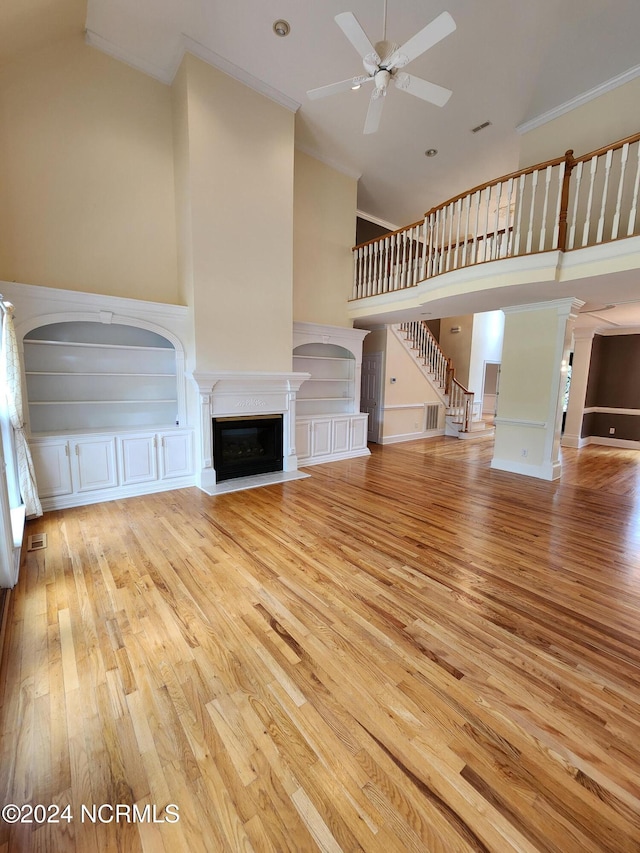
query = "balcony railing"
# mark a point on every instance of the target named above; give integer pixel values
(567, 203)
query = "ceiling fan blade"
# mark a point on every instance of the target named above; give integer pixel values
(439, 28)
(431, 92)
(349, 25)
(336, 88)
(374, 113)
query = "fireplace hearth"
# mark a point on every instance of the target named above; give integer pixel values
(243, 447)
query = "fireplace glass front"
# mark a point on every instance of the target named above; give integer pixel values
(243, 447)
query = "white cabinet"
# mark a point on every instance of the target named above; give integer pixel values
(52, 461)
(139, 459)
(328, 439)
(73, 470)
(95, 464)
(176, 454)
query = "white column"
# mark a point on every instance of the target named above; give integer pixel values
(583, 341)
(535, 353)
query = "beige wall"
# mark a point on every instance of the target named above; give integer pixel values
(86, 175)
(324, 233)
(236, 231)
(593, 125)
(457, 345)
(403, 401)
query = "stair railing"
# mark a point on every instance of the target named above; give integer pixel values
(562, 204)
(423, 342)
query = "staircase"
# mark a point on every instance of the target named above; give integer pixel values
(463, 414)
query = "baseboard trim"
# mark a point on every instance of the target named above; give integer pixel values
(549, 471)
(115, 494)
(411, 436)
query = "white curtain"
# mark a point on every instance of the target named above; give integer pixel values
(10, 363)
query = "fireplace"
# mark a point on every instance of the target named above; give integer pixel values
(246, 446)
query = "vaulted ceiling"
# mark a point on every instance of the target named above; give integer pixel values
(508, 62)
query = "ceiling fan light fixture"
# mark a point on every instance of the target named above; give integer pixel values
(281, 28)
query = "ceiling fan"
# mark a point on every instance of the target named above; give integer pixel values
(384, 61)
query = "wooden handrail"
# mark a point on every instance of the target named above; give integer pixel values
(510, 176)
(388, 234)
(599, 152)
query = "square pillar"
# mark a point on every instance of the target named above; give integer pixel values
(535, 353)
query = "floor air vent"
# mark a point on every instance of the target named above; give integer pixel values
(36, 541)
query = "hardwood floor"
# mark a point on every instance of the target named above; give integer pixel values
(407, 652)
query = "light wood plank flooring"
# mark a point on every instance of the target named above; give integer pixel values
(409, 652)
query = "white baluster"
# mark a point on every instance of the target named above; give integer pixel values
(458, 223)
(450, 209)
(545, 205)
(498, 194)
(369, 271)
(476, 230)
(507, 221)
(587, 222)
(410, 258)
(534, 187)
(605, 190)
(466, 229)
(385, 266)
(634, 204)
(486, 222)
(395, 254)
(516, 237)
(556, 227)
(441, 227)
(623, 166)
(423, 257)
(574, 217)
(356, 266)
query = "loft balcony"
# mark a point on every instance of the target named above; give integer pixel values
(550, 225)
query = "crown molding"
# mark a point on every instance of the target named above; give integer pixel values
(579, 100)
(111, 49)
(376, 220)
(214, 59)
(188, 45)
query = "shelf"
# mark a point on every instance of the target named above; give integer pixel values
(38, 342)
(324, 357)
(101, 375)
(95, 402)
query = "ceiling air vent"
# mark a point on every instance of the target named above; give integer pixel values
(36, 541)
(481, 127)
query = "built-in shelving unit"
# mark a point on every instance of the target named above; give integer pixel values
(106, 410)
(329, 424)
(83, 376)
(331, 388)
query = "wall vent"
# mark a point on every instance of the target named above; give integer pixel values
(480, 127)
(36, 541)
(431, 419)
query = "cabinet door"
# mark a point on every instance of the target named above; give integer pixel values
(95, 464)
(340, 435)
(359, 433)
(176, 455)
(138, 459)
(53, 467)
(303, 439)
(321, 437)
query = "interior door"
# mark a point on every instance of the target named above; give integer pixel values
(371, 393)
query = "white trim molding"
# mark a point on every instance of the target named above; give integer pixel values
(579, 100)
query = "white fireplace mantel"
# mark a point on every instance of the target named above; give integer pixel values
(245, 394)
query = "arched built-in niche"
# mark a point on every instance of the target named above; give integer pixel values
(83, 375)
